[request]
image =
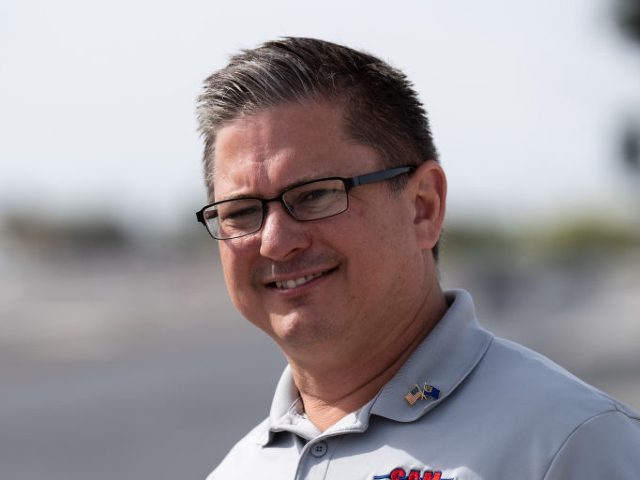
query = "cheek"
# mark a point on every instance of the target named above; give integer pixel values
(390, 247)
(237, 276)
(235, 268)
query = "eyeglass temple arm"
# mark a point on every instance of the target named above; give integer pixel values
(378, 176)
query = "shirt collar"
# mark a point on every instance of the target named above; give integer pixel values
(443, 360)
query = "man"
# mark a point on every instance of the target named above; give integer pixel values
(327, 201)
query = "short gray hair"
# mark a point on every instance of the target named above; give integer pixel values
(381, 107)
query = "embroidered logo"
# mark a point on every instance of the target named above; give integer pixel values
(401, 474)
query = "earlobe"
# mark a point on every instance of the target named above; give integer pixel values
(429, 196)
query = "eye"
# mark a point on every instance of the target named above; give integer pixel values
(317, 199)
(240, 211)
(315, 195)
(315, 192)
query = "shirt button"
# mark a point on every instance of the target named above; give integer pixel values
(319, 449)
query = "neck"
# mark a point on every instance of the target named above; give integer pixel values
(333, 388)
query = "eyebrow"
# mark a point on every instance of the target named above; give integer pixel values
(297, 183)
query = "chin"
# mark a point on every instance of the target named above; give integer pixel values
(294, 330)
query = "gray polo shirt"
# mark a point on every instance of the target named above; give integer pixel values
(465, 405)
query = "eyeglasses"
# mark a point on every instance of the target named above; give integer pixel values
(322, 198)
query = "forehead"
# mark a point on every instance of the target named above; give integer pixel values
(262, 153)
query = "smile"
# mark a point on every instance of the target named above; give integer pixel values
(287, 284)
(297, 282)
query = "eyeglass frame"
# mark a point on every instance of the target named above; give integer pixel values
(349, 183)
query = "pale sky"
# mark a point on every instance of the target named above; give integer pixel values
(525, 98)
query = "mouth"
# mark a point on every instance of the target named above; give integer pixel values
(298, 282)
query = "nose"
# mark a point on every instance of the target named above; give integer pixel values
(282, 237)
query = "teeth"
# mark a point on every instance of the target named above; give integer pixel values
(297, 282)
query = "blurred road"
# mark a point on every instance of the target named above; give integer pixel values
(135, 366)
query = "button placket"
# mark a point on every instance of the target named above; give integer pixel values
(314, 462)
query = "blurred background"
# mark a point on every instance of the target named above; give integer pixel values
(120, 354)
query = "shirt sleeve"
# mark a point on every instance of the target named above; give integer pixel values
(605, 446)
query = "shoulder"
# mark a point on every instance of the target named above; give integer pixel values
(605, 445)
(521, 413)
(242, 453)
(575, 421)
(538, 382)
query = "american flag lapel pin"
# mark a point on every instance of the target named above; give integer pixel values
(413, 395)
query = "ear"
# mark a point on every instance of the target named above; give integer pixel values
(429, 195)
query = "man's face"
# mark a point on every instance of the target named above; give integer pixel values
(354, 273)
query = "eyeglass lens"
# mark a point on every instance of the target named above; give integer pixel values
(310, 201)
